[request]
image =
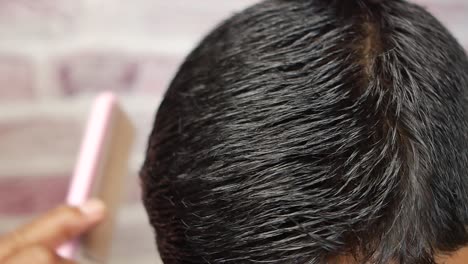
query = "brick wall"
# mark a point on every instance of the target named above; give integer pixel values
(55, 55)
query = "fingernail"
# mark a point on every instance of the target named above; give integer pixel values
(93, 207)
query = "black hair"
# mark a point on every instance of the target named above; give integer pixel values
(302, 130)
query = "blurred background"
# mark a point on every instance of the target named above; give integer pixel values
(56, 55)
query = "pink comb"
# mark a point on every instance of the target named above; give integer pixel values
(99, 171)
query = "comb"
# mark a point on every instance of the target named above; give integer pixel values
(99, 173)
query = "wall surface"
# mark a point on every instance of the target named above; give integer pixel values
(55, 55)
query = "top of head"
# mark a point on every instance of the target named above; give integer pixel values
(295, 133)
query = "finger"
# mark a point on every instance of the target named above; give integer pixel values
(37, 255)
(56, 227)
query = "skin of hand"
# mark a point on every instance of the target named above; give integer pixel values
(37, 241)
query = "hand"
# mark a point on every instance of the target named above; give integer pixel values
(37, 241)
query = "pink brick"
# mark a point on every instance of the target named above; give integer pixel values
(164, 19)
(24, 196)
(47, 133)
(38, 19)
(156, 73)
(90, 72)
(38, 145)
(17, 77)
(25, 189)
(94, 71)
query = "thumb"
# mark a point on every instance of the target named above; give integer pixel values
(54, 228)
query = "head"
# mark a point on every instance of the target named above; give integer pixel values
(303, 131)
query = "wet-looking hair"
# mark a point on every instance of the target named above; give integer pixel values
(302, 130)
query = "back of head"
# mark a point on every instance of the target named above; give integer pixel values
(302, 130)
